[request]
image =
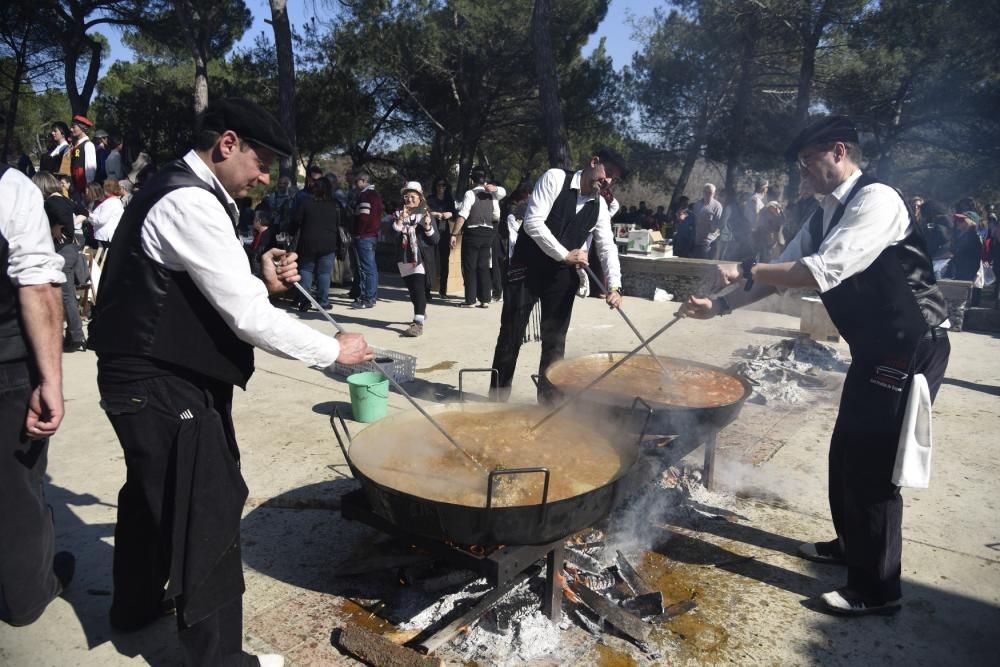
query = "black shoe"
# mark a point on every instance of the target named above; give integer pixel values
(303, 307)
(64, 566)
(71, 346)
(848, 602)
(822, 552)
(327, 306)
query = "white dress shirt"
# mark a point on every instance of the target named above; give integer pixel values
(875, 219)
(32, 257)
(89, 158)
(470, 198)
(60, 149)
(547, 190)
(188, 230)
(105, 218)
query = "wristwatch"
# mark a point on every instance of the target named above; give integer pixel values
(746, 271)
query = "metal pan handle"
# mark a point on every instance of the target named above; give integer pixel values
(340, 439)
(536, 378)
(495, 375)
(645, 422)
(520, 471)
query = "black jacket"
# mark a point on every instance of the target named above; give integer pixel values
(318, 225)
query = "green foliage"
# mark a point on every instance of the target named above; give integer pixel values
(150, 104)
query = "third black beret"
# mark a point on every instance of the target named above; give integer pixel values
(250, 121)
(825, 130)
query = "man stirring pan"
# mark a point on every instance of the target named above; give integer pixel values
(178, 316)
(565, 213)
(869, 262)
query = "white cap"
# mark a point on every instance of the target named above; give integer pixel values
(412, 186)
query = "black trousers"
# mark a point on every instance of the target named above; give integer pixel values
(498, 268)
(555, 290)
(867, 508)
(444, 253)
(27, 543)
(416, 285)
(477, 244)
(179, 512)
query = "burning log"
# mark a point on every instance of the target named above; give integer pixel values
(593, 627)
(623, 620)
(647, 604)
(509, 611)
(374, 649)
(582, 561)
(599, 582)
(631, 577)
(674, 610)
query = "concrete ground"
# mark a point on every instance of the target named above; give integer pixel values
(740, 568)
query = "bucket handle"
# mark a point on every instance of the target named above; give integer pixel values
(645, 422)
(520, 471)
(494, 373)
(370, 390)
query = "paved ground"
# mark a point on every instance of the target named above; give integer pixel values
(749, 587)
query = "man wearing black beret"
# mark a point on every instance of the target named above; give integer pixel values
(870, 264)
(178, 315)
(566, 214)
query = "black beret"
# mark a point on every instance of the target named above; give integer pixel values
(611, 156)
(825, 130)
(250, 121)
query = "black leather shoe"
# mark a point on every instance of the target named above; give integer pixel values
(822, 552)
(70, 346)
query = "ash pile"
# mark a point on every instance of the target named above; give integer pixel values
(786, 371)
(602, 595)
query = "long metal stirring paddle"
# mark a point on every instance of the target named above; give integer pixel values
(621, 312)
(304, 292)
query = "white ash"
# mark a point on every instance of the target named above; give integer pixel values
(783, 372)
(534, 637)
(423, 609)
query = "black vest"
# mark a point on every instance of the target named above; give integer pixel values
(12, 343)
(481, 213)
(569, 227)
(146, 310)
(886, 308)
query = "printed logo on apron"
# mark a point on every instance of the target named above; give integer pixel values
(888, 377)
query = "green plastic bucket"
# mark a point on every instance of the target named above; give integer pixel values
(369, 396)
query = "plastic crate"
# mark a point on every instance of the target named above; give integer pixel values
(404, 366)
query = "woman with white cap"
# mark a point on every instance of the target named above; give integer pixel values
(414, 250)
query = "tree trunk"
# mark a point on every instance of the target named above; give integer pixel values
(286, 80)
(811, 32)
(71, 49)
(15, 94)
(548, 87)
(741, 105)
(200, 89)
(691, 156)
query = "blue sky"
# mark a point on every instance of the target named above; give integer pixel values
(615, 28)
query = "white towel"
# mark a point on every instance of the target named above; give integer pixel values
(913, 456)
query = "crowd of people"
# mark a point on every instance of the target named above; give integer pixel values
(184, 301)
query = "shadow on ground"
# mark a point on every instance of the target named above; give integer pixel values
(90, 592)
(934, 627)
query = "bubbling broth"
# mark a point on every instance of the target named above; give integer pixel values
(408, 454)
(684, 385)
